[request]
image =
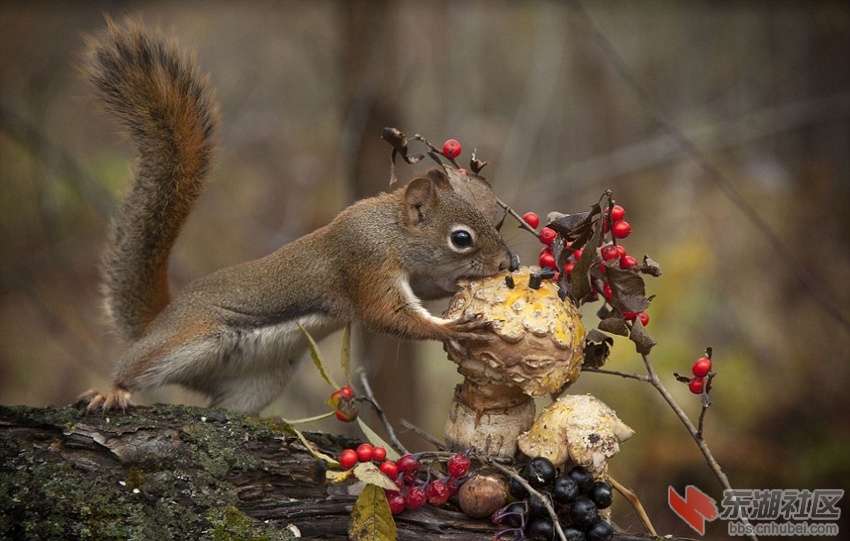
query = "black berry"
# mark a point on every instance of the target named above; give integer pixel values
(599, 531)
(565, 489)
(601, 494)
(536, 507)
(583, 512)
(540, 472)
(541, 530)
(582, 477)
(574, 534)
(517, 490)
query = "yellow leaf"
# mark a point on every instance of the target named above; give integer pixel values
(371, 518)
(316, 355)
(335, 476)
(369, 473)
(345, 354)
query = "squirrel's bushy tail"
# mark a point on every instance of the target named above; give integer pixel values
(157, 95)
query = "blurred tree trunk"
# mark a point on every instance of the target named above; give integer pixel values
(371, 85)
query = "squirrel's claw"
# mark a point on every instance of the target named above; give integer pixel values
(117, 398)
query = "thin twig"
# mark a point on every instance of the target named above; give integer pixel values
(370, 397)
(630, 375)
(522, 223)
(422, 434)
(636, 505)
(700, 441)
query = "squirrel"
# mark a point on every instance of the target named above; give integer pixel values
(234, 335)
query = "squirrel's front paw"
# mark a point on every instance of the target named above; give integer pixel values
(471, 327)
(117, 398)
(467, 329)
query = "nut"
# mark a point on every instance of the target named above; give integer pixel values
(482, 494)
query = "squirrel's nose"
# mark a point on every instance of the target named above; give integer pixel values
(506, 262)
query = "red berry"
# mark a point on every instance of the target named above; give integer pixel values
(702, 367)
(609, 251)
(616, 213)
(568, 269)
(389, 469)
(396, 501)
(407, 463)
(621, 250)
(696, 385)
(364, 452)
(437, 492)
(547, 260)
(348, 458)
(346, 417)
(547, 235)
(627, 262)
(379, 453)
(531, 219)
(346, 391)
(607, 292)
(621, 229)
(451, 148)
(458, 465)
(643, 317)
(415, 498)
(577, 254)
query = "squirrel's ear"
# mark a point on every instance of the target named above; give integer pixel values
(439, 178)
(419, 197)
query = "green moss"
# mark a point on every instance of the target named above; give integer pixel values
(185, 491)
(231, 524)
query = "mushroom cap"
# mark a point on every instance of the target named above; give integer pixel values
(577, 427)
(538, 339)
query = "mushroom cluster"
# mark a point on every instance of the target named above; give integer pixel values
(579, 428)
(536, 347)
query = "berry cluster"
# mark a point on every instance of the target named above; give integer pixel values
(365, 452)
(574, 495)
(700, 370)
(418, 480)
(610, 253)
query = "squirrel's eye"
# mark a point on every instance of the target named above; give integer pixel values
(461, 238)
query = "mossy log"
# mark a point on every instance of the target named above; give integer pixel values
(173, 472)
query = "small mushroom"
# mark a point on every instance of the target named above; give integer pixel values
(580, 428)
(536, 348)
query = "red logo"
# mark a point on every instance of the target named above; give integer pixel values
(695, 508)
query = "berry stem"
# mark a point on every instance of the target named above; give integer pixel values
(546, 503)
(706, 402)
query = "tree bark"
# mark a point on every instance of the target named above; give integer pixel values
(173, 472)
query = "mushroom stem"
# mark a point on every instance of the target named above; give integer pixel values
(488, 418)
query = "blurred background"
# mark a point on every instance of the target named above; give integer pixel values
(761, 88)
